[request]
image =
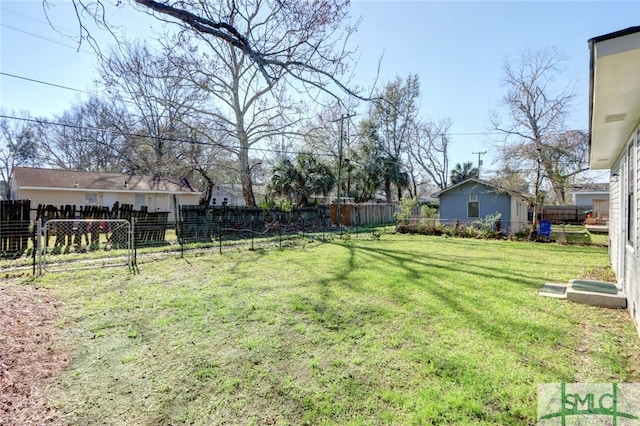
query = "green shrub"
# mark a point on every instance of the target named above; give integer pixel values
(428, 212)
(407, 205)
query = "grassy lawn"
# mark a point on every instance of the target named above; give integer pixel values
(578, 234)
(401, 330)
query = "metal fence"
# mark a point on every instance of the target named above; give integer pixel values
(52, 243)
(113, 238)
(223, 226)
(201, 224)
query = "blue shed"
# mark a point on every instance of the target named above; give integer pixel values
(473, 199)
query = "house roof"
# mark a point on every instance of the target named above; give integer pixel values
(478, 181)
(31, 177)
(591, 188)
(614, 88)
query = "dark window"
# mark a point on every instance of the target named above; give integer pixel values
(473, 209)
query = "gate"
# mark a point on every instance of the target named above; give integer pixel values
(87, 238)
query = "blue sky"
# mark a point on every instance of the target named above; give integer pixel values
(457, 49)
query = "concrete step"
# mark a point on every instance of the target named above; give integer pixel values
(587, 292)
(555, 290)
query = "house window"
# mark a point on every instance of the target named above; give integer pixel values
(473, 209)
(90, 198)
(139, 200)
(473, 197)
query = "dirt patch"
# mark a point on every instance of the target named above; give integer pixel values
(28, 355)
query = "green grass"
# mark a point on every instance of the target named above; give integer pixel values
(578, 234)
(400, 330)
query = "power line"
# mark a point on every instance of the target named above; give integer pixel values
(131, 101)
(6, 9)
(33, 80)
(94, 94)
(147, 136)
(45, 38)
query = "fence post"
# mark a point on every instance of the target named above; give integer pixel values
(39, 247)
(133, 261)
(35, 244)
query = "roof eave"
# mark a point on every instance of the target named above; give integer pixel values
(614, 94)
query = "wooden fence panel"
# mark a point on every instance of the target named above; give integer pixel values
(562, 214)
(364, 214)
(15, 225)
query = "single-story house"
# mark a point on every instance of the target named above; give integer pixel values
(62, 187)
(594, 195)
(614, 144)
(473, 199)
(229, 193)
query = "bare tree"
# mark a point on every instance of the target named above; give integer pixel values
(557, 161)
(299, 39)
(511, 179)
(18, 139)
(85, 138)
(535, 109)
(429, 150)
(565, 156)
(248, 110)
(209, 163)
(159, 101)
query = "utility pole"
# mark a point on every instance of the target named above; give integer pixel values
(480, 153)
(340, 144)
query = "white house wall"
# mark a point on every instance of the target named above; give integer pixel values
(625, 255)
(632, 251)
(519, 211)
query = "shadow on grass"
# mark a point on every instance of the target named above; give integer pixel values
(494, 311)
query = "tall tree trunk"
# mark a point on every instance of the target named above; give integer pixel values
(245, 178)
(387, 189)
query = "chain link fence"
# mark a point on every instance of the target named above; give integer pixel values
(88, 242)
(66, 238)
(201, 227)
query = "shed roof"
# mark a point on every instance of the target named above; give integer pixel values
(34, 177)
(478, 181)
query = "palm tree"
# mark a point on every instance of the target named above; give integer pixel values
(463, 172)
(392, 174)
(302, 180)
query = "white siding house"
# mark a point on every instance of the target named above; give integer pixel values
(615, 145)
(59, 187)
(229, 194)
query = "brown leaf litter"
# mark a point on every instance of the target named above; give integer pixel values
(29, 357)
